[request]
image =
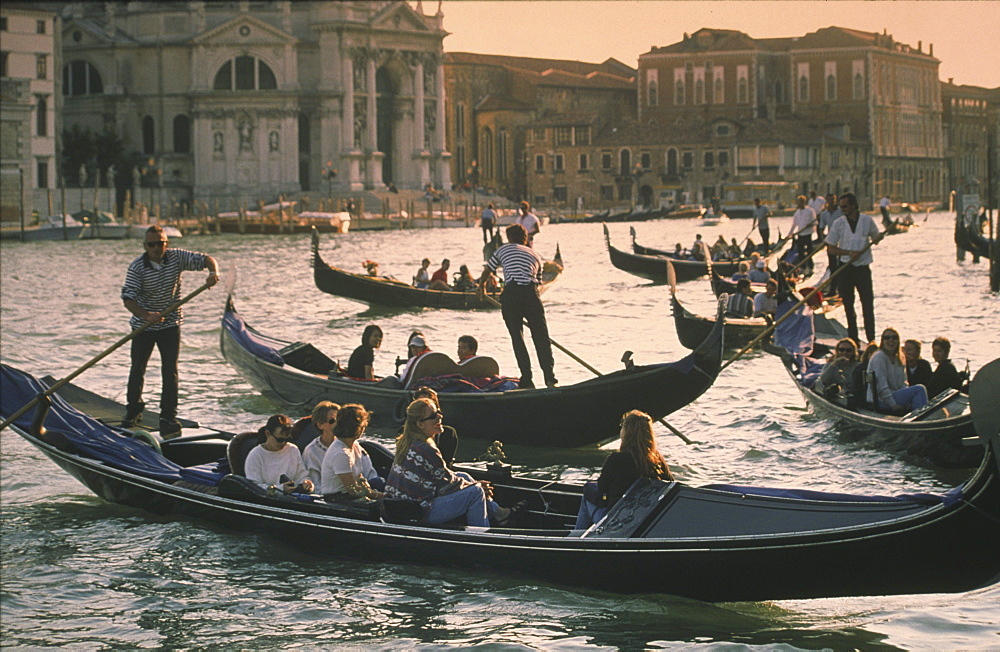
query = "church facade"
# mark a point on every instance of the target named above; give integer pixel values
(241, 101)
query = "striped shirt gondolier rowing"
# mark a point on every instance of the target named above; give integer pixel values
(521, 265)
(156, 287)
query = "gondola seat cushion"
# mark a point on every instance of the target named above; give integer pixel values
(238, 449)
(401, 511)
(303, 432)
(238, 487)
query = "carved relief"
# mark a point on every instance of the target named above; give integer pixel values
(360, 75)
(430, 80)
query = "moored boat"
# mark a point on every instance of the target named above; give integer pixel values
(651, 264)
(582, 414)
(714, 543)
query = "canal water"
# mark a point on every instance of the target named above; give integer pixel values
(81, 573)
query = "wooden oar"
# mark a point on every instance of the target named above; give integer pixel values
(815, 251)
(594, 371)
(98, 358)
(770, 329)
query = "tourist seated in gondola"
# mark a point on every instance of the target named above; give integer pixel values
(362, 362)
(758, 272)
(323, 416)
(698, 248)
(742, 272)
(740, 303)
(765, 303)
(419, 474)
(423, 277)
(918, 370)
(679, 251)
(720, 250)
(464, 281)
(347, 471)
(734, 252)
(276, 462)
(416, 347)
(749, 248)
(887, 388)
(468, 347)
(439, 280)
(637, 457)
(835, 382)
(447, 439)
(945, 376)
(859, 382)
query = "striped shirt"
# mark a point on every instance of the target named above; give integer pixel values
(157, 287)
(521, 265)
(739, 306)
(841, 235)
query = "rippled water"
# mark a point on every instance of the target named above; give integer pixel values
(81, 573)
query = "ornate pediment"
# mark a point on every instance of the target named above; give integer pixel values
(244, 30)
(399, 16)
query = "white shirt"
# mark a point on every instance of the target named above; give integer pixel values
(341, 459)
(884, 202)
(529, 222)
(842, 236)
(266, 467)
(764, 304)
(817, 204)
(804, 218)
(312, 458)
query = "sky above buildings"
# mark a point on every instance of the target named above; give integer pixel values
(964, 34)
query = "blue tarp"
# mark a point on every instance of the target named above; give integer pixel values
(795, 334)
(255, 343)
(90, 437)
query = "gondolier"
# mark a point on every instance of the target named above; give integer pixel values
(849, 239)
(152, 284)
(522, 272)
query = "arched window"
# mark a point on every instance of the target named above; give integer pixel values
(182, 134)
(81, 78)
(42, 117)
(625, 163)
(831, 87)
(859, 86)
(803, 88)
(719, 94)
(699, 91)
(679, 91)
(653, 90)
(742, 91)
(245, 73)
(148, 136)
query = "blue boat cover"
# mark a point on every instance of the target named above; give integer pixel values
(795, 334)
(91, 437)
(256, 344)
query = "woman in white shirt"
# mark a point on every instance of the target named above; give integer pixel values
(347, 468)
(890, 391)
(276, 457)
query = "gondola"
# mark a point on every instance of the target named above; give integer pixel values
(586, 413)
(381, 291)
(934, 433)
(714, 543)
(968, 236)
(653, 266)
(628, 216)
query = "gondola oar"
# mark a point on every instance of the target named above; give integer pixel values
(51, 390)
(791, 311)
(815, 251)
(594, 371)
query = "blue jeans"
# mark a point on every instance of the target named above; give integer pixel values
(912, 398)
(470, 501)
(589, 514)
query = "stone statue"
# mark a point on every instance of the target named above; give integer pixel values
(274, 141)
(217, 142)
(246, 136)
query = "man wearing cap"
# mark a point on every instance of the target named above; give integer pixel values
(522, 273)
(850, 238)
(416, 347)
(803, 226)
(759, 273)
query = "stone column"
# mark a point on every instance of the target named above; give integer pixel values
(444, 160)
(421, 153)
(374, 179)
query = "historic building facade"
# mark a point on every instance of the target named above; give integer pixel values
(29, 122)
(503, 110)
(240, 101)
(970, 127)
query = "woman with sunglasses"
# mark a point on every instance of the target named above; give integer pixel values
(276, 462)
(637, 457)
(347, 469)
(888, 390)
(324, 415)
(836, 379)
(419, 474)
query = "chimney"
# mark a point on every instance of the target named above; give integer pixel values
(951, 81)
(920, 46)
(931, 48)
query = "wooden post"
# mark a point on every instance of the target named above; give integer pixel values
(260, 209)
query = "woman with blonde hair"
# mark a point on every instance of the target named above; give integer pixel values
(419, 474)
(637, 457)
(888, 389)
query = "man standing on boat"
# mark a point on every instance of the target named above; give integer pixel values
(152, 284)
(487, 220)
(761, 212)
(520, 302)
(849, 239)
(532, 225)
(803, 226)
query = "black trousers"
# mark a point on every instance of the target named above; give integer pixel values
(803, 247)
(765, 236)
(858, 277)
(521, 303)
(168, 341)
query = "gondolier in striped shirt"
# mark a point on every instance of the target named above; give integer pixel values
(522, 273)
(152, 284)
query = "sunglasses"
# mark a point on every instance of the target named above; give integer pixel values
(433, 416)
(158, 243)
(332, 421)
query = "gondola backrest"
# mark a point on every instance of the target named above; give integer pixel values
(303, 432)
(238, 449)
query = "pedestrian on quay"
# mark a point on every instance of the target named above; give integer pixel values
(849, 238)
(152, 284)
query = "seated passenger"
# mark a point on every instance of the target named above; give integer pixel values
(698, 248)
(720, 249)
(419, 474)
(859, 383)
(415, 348)
(758, 273)
(276, 457)
(439, 280)
(740, 305)
(638, 457)
(918, 370)
(423, 278)
(890, 391)
(946, 376)
(765, 304)
(347, 468)
(447, 440)
(324, 415)
(464, 281)
(467, 347)
(743, 272)
(836, 381)
(734, 252)
(678, 251)
(362, 362)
